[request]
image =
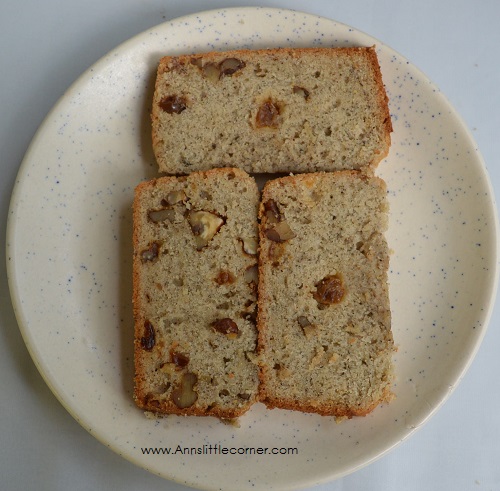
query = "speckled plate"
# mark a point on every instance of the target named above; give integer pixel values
(69, 261)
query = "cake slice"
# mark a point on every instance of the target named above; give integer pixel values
(325, 341)
(272, 110)
(195, 282)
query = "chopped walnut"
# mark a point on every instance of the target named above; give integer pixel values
(230, 66)
(281, 232)
(250, 246)
(151, 253)
(157, 216)
(184, 395)
(174, 197)
(272, 211)
(252, 274)
(211, 71)
(173, 104)
(204, 226)
(215, 71)
(167, 213)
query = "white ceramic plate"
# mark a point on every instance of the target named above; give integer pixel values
(69, 260)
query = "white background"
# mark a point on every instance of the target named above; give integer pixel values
(45, 45)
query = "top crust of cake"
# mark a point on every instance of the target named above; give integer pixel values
(274, 110)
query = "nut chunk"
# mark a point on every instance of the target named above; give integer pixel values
(276, 228)
(280, 232)
(185, 396)
(230, 66)
(204, 225)
(215, 71)
(151, 253)
(173, 104)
